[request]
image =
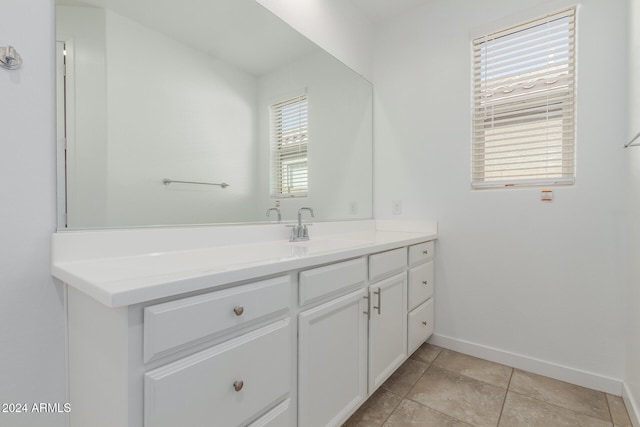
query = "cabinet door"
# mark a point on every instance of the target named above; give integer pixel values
(332, 378)
(387, 328)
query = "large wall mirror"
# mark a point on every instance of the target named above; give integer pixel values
(186, 91)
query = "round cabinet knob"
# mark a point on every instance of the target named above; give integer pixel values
(424, 323)
(424, 282)
(238, 310)
(237, 385)
(425, 252)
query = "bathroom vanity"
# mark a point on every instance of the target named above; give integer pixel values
(236, 326)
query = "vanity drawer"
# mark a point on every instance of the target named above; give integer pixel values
(280, 416)
(332, 279)
(230, 382)
(420, 325)
(420, 284)
(175, 324)
(387, 263)
(421, 252)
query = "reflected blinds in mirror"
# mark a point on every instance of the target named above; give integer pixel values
(289, 139)
(524, 115)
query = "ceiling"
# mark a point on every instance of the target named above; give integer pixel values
(231, 30)
(234, 30)
(380, 10)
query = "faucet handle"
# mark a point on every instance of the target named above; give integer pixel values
(294, 232)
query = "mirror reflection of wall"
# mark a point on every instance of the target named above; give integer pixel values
(142, 106)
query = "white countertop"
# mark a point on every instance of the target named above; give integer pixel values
(121, 267)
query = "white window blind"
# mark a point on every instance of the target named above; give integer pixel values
(289, 139)
(524, 112)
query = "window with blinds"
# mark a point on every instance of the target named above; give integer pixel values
(523, 104)
(289, 139)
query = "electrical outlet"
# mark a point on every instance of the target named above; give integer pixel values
(396, 207)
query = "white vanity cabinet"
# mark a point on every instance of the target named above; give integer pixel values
(302, 346)
(420, 299)
(218, 358)
(388, 325)
(357, 325)
(228, 383)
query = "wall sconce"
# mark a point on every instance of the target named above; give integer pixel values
(10, 58)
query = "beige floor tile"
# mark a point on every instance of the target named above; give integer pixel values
(479, 369)
(523, 411)
(618, 410)
(401, 381)
(579, 399)
(458, 396)
(426, 353)
(375, 410)
(412, 414)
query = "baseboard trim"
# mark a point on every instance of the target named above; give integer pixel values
(530, 364)
(631, 402)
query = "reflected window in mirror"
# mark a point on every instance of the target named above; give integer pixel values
(289, 140)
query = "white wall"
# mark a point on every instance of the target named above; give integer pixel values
(340, 134)
(632, 374)
(532, 284)
(337, 26)
(200, 126)
(32, 342)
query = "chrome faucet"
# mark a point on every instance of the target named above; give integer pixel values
(277, 211)
(300, 231)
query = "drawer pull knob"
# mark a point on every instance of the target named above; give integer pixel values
(238, 310)
(425, 252)
(424, 282)
(237, 385)
(424, 323)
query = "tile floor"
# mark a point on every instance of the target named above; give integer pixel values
(443, 388)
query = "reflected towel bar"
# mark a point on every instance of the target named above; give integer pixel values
(168, 181)
(630, 143)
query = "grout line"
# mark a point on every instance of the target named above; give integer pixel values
(609, 408)
(436, 410)
(505, 396)
(390, 413)
(438, 355)
(394, 408)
